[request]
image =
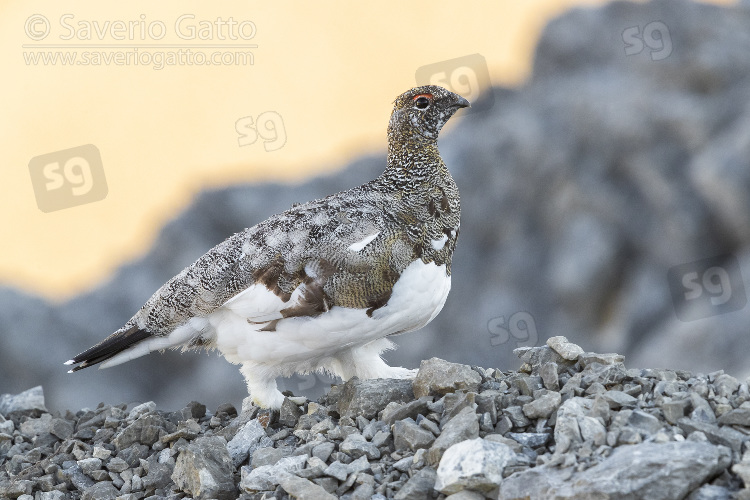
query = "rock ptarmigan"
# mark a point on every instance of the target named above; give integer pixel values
(322, 285)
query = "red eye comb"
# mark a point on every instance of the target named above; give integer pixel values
(428, 96)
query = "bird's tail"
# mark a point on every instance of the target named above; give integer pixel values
(120, 342)
(130, 342)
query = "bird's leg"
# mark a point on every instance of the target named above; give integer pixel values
(365, 362)
(262, 388)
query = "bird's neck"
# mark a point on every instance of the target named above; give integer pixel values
(413, 160)
(409, 170)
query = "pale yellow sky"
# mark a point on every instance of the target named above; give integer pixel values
(323, 73)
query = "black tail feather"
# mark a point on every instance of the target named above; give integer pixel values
(109, 347)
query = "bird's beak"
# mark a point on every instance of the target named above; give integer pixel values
(462, 103)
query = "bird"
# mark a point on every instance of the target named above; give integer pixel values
(322, 286)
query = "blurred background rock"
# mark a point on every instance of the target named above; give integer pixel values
(624, 154)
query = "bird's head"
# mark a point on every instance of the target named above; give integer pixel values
(420, 113)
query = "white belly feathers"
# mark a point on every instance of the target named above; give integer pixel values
(418, 296)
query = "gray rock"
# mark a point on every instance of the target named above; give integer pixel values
(6, 426)
(327, 483)
(619, 399)
(437, 377)
(548, 372)
(527, 384)
(567, 430)
(359, 465)
(303, 489)
(27, 401)
(141, 409)
(368, 397)
(603, 359)
(325, 426)
(193, 409)
(337, 470)
(89, 465)
(725, 436)
(266, 477)
(709, 492)
(675, 410)
(466, 495)
(188, 429)
(100, 491)
(16, 488)
(663, 471)
(407, 435)
(289, 413)
(342, 431)
(572, 385)
(144, 430)
(159, 474)
(117, 464)
(606, 375)
(249, 438)
(592, 430)
(315, 468)
(453, 403)
(628, 435)
(362, 492)
(644, 422)
(726, 385)
(543, 406)
(742, 469)
(504, 424)
(486, 403)
(536, 357)
(73, 472)
(701, 409)
(376, 426)
(36, 426)
(52, 495)
(269, 456)
(601, 408)
(429, 425)
(61, 428)
(419, 486)
(204, 469)
(323, 450)
(737, 416)
(404, 464)
(566, 350)
(355, 445)
(530, 439)
(517, 416)
(475, 464)
(406, 410)
(462, 427)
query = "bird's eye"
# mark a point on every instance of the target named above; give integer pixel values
(421, 102)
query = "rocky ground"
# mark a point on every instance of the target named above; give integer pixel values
(567, 424)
